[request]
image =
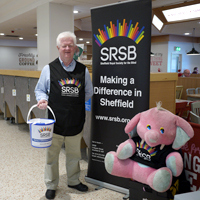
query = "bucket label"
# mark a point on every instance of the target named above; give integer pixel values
(45, 132)
(41, 136)
(36, 140)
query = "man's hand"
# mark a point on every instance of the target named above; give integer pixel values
(42, 104)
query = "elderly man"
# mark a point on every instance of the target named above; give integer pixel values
(186, 73)
(64, 85)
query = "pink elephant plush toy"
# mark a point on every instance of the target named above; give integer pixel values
(151, 155)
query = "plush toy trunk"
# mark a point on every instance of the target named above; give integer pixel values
(139, 191)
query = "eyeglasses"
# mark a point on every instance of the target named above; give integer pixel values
(69, 46)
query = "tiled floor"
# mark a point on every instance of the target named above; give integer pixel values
(22, 170)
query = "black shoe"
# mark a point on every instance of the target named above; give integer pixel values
(50, 194)
(80, 187)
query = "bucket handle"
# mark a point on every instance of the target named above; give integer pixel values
(36, 106)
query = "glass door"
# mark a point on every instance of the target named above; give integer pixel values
(176, 62)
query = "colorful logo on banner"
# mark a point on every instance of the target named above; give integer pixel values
(120, 30)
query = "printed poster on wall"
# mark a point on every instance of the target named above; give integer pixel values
(121, 76)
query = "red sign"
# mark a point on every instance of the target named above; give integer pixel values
(191, 156)
(157, 59)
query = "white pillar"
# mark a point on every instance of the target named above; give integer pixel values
(52, 19)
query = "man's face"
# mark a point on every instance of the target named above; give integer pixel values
(187, 73)
(66, 49)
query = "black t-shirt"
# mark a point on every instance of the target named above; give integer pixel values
(151, 156)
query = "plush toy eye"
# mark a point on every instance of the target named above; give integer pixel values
(162, 130)
(148, 127)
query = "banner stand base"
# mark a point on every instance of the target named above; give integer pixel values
(126, 197)
(107, 185)
(99, 188)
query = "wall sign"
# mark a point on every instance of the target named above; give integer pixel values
(157, 59)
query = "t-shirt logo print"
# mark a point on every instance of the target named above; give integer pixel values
(70, 87)
(144, 151)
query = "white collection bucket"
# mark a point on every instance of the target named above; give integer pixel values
(41, 130)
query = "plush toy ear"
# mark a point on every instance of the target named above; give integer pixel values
(184, 132)
(131, 127)
(133, 133)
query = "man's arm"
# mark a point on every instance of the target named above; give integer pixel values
(42, 88)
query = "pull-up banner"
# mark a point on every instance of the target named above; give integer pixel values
(121, 76)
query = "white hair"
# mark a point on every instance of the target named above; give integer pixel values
(66, 34)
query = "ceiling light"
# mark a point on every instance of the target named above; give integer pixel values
(87, 42)
(36, 34)
(21, 38)
(186, 33)
(157, 22)
(80, 39)
(75, 11)
(2, 34)
(193, 51)
(182, 13)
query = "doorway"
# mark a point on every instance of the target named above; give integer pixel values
(176, 63)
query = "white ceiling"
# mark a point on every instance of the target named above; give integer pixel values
(20, 16)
